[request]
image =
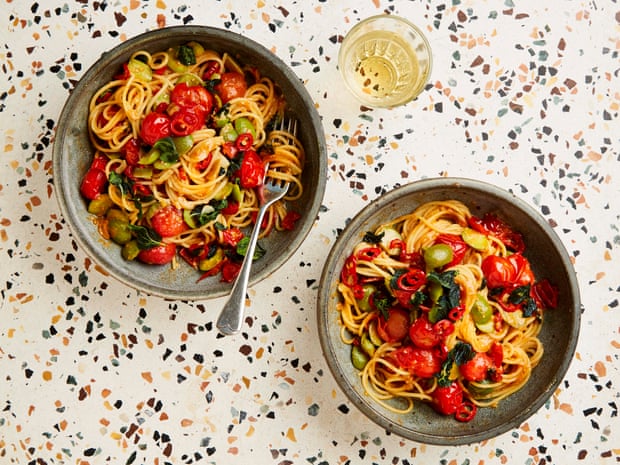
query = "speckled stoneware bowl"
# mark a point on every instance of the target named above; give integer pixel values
(73, 153)
(559, 334)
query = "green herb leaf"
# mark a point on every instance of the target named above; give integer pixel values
(120, 181)
(373, 238)
(242, 249)
(186, 55)
(167, 150)
(461, 353)
(519, 294)
(147, 238)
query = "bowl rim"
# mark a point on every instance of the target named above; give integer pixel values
(372, 410)
(199, 33)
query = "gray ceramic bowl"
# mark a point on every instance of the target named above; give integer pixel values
(559, 333)
(73, 153)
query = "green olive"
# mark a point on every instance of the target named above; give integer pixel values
(117, 214)
(119, 230)
(100, 205)
(475, 239)
(359, 358)
(438, 255)
(367, 345)
(243, 125)
(364, 302)
(130, 250)
(482, 313)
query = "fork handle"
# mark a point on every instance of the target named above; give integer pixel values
(231, 317)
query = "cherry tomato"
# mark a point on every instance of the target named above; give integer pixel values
(229, 150)
(99, 162)
(396, 327)
(524, 274)
(496, 352)
(231, 208)
(419, 362)
(458, 246)
(448, 399)
(491, 224)
(477, 368)
(158, 255)
(95, 180)
(230, 270)
(212, 68)
(155, 126)
(192, 96)
(232, 85)
(498, 271)
(252, 170)
(131, 151)
(232, 236)
(546, 294)
(290, 219)
(168, 221)
(186, 121)
(422, 333)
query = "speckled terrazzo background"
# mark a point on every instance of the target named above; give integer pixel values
(524, 94)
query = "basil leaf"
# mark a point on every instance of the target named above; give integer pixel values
(519, 294)
(167, 150)
(146, 238)
(242, 249)
(120, 181)
(186, 55)
(461, 353)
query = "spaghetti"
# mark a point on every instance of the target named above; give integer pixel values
(184, 139)
(442, 307)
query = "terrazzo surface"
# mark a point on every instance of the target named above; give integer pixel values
(523, 94)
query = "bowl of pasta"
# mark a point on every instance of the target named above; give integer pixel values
(162, 151)
(448, 311)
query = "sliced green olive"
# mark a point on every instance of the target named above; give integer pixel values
(224, 191)
(143, 172)
(481, 311)
(100, 205)
(373, 335)
(244, 125)
(390, 237)
(174, 63)
(130, 250)
(117, 214)
(475, 239)
(119, 231)
(150, 157)
(359, 358)
(190, 79)
(183, 143)
(229, 133)
(364, 302)
(435, 291)
(140, 70)
(189, 219)
(236, 193)
(437, 256)
(367, 346)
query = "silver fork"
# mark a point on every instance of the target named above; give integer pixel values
(231, 317)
